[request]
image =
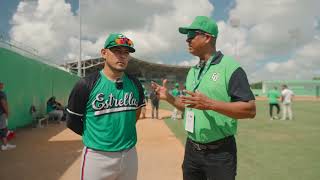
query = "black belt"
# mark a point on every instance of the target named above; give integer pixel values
(211, 145)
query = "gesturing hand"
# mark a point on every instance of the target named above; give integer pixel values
(196, 100)
(162, 91)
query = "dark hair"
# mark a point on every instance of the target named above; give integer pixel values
(51, 100)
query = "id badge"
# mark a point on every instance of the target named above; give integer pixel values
(189, 121)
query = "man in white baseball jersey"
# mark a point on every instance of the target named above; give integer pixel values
(286, 99)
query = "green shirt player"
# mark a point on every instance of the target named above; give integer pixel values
(218, 93)
(273, 96)
(104, 107)
(175, 93)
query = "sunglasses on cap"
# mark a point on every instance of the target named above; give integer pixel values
(193, 34)
(123, 41)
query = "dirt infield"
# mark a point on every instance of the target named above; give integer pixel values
(54, 152)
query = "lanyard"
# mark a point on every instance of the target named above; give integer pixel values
(197, 79)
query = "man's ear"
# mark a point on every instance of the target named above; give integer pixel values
(209, 38)
(103, 52)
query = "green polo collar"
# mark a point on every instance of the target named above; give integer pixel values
(216, 59)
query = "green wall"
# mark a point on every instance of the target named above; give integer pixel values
(28, 81)
(299, 87)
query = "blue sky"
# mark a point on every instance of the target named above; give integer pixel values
(262, 43)
(7, 10)
(220, 13)
(222, 9)
(9, 7)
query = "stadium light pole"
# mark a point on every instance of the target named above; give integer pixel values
(79, 59)
(235, 23)
(316, 73)
(295, 35)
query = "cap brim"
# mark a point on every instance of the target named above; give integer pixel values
(185, 30)
(131, 49)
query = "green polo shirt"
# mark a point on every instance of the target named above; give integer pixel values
(209, 125)
(175, 92)
(50, 108)
(273, 96)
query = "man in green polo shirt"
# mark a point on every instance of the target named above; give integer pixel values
(273, 96)
(218, 93)
(103, 108)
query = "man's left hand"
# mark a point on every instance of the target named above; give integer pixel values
(196, 100)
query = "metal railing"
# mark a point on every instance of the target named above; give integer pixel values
(25, 50)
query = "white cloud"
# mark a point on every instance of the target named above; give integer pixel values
(274, 30)
(47, 25)
(276, 39)
(50, 26)
(161, 34)
(304, 65)
(272, 67)
(190, 62)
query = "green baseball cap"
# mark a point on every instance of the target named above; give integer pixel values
(176, 85)
(116, 39)
(202, 23)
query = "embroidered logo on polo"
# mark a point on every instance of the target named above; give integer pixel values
(215, 76)
(111, 104)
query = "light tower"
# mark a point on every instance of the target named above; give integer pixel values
(79, 59)
(235, 23)
(294, 35)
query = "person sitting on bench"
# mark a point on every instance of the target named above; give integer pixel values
(54, 109)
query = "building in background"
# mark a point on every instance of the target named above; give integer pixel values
(143, 70)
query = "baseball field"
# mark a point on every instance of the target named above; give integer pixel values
(275, 150)
(267, 150)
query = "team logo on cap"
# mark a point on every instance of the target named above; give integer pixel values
(215, 76)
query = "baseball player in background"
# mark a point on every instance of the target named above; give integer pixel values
(286, 99)
(103, 108)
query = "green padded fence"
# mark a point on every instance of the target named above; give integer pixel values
(299, 87)
(29, 81)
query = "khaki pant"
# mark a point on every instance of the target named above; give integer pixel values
(174, 115)
(100, 165)
(286, 110)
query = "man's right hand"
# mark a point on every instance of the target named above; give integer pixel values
(162, 91)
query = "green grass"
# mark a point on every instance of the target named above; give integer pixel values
(275, 150)
(165, 105)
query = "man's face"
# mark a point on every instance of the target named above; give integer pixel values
(196, 41)
(116, 57)
(1, 86)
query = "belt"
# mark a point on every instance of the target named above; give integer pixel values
(211, 145)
